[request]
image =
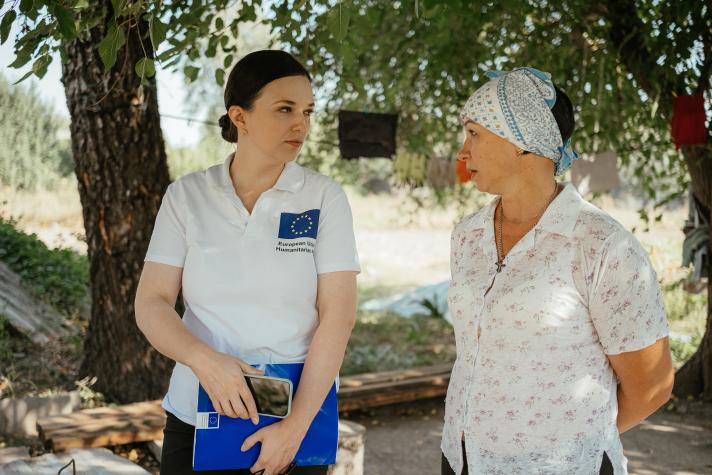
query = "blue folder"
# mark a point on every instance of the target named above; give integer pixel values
(218, 438)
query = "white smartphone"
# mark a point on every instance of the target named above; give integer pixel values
(273, 396)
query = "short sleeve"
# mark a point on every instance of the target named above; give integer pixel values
(456, 249)
(625, 301)
(335, 242)
(168, 242)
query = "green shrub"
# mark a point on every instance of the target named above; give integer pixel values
(687, 315)
(683, 306)
(36, 150)
(683, 350)
(385, 341)
(59, 277)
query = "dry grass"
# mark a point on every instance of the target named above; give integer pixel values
(55, 216)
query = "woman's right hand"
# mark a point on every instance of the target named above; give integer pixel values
(222, 377)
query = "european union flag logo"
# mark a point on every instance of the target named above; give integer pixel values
(213, 420)
(294, 226)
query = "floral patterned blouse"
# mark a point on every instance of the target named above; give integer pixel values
(535, 393)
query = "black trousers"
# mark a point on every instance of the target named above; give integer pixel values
(606, 466)
(177, 453)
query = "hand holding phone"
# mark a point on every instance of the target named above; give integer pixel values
(223, 378)
(272, 395)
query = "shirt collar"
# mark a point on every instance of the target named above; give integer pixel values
(559, 218)
(562, 214)
(291, 178)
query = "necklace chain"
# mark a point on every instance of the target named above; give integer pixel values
(498, 238)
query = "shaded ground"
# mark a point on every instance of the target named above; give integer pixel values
(405, 440)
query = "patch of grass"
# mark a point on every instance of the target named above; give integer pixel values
(32, 369)
(383, 341)
(683, 351)
(686, 312)
(368, 292)
(57, 276)
(687, 315)
(10, 341)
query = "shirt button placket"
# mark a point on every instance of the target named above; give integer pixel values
(475, 361)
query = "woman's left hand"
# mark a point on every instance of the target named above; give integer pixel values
(280, 443)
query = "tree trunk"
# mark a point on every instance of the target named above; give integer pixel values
(625, 35)
(695, 377)
(120, 163)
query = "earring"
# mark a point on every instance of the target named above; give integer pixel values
(519, 152)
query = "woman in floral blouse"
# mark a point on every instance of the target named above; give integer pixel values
(560, 328)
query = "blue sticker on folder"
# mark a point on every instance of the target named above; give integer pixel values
(213, 420)
(218, 438)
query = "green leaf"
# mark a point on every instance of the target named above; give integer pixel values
(109, 46)
(248, 13)
(168, 54)
(6, 25)
(25, 6)
(171, 63)
(145, 68)
(212, 47)
(347, 55)
(63, 53)
(28, 74)
(65, 19)
(219, 24)
(158, 31)
(227, 61)
(337, 21)
(20, 60)
(191, 72)
(24, 55)
(220, 76)
(41, 64)
(30, 8)
(119, 7)
(430, 13)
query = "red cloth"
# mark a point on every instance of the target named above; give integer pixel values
(688, 120)
(461, 172)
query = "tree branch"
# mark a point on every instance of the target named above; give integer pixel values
(706, 68)
(626, 36)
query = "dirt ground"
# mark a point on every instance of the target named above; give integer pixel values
(405, 440)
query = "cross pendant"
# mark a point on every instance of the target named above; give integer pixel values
(500, 266)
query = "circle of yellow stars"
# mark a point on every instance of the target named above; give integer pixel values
(310, 224)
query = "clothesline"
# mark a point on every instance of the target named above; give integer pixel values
(215, 124)
(326, 142)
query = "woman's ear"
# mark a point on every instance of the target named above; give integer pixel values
(237, 116)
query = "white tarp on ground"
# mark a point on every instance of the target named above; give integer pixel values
(410, 303)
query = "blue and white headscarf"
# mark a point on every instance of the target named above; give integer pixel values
(516, 105)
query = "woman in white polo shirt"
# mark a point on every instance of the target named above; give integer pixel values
(264, 252)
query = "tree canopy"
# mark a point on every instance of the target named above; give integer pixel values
(423, 59)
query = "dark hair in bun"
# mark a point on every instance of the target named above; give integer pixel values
(229, 131)
(249, 76)
(563, 112)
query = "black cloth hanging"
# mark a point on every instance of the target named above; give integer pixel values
(367, 134)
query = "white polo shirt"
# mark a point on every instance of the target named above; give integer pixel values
(250, 280)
